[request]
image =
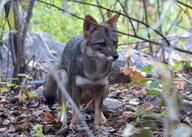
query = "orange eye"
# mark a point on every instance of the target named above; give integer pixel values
(102, 45)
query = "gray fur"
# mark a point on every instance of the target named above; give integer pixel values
(87, 62)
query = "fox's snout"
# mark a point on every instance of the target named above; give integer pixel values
(115, 57)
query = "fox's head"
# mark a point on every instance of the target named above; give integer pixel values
(101, 41)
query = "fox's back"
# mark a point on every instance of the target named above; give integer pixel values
(71, 55)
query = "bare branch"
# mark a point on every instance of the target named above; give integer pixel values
(134, 32)
(136, 20)
(101, 13)
(184, 4)
(123, 33)
(26, 23)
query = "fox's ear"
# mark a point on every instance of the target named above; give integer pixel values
(109, 13)
(89, 26)
(113, 20)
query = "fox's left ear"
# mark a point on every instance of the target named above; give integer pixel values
(113, 20)
(89, 26)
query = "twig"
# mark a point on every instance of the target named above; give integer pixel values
(134, 32)
(131, 18)
(123, 33)
(26, 22)
(147, 22)
(101, 13)
(173, 23)
(186, 5)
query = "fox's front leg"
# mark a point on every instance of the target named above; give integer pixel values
(63, 76)
(99, 95)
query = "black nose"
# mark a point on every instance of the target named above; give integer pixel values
(115, 57)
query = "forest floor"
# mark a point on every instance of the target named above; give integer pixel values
(141, 112)
(129, 108)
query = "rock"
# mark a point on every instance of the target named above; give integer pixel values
(14, 100)
(48, 128)
(112, 105)
(3, 129)
(188, 88)
(155, 102)
(116, 76)
(127, 115)
(41, 45)
(6, 122)
(130, 108)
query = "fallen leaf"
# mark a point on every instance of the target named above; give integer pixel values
(48, 117)
(127, 114)
(23, 94)
(3, 89)
(22, 126)
(148, 106)
(134, 101)
(179, 84)
(135, 75)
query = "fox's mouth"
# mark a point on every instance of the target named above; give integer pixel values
(99, 55)
(104, 57)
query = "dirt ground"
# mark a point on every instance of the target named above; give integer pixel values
(140, 110)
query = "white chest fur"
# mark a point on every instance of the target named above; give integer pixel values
(80, 81)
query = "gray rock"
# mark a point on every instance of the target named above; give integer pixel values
(112, 105)
(40, 45)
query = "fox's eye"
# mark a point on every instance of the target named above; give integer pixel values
(102, 44)
(115, 42)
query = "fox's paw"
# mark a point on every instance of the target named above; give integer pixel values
(104, 120)
(99, 127)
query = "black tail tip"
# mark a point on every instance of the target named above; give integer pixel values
(49, 99)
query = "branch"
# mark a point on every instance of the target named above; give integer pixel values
(26, 23)
(136, 20)
(134, 32)
(101, 13)
(186, 5)
(123, 33)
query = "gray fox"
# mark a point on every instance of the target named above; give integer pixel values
(85, 66)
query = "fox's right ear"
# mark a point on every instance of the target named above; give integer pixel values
(89, 26)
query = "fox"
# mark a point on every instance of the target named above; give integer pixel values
(85, 66)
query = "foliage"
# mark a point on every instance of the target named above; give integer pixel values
(38, 131)
(63, 26)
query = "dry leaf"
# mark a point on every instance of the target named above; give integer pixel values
(22, 126)
(147, 106)
(127, 114)
(48, 117)
(179, 84)
(135, 75)
(134, 101)
(23, 94)
(3, 89)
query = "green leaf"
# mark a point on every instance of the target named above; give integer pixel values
(178, 65)
(154, 84)
(147, 68)
(38, 131)
(144, 81)
(162, 102)
(153, 91)
(190, 64)
(22, 75)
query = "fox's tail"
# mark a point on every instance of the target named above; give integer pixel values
(50, 90)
